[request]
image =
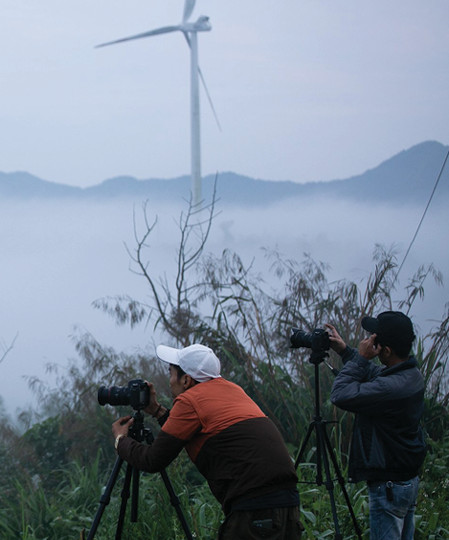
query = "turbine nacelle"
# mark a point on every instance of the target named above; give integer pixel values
(201, 25)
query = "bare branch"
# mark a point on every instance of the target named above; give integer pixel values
(7, 348)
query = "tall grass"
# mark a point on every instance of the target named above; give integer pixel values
(30, 511)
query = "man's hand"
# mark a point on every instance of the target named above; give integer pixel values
(336, 341)
(368, 348)
(121, 426)
(153, 406)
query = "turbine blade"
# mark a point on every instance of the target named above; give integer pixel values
(163, 30)
(188, 9)
(209, 99)
(203, 82)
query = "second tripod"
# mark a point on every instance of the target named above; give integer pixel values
(325, 454)
(131, 486)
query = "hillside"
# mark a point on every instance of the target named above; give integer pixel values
(406, 177)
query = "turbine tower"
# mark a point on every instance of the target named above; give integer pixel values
(190, 31)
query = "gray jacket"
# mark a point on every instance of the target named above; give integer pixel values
(387, 440)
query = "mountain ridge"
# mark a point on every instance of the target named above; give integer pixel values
(407, 176)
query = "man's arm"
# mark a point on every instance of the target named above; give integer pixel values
(357, 387)
(182, 424)
(338, 345)
(154, 458)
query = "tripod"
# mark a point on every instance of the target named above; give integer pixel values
(324, 451)
(139, 433)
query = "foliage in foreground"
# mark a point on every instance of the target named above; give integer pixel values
(53, 474)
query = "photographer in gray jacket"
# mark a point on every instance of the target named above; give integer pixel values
(387, 448)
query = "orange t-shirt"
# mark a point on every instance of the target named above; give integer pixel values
(207, 409)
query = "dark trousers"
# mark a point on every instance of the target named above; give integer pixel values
(272, 523)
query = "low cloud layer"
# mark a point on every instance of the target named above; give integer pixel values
(57, 258)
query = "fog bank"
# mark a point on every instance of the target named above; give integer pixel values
(57, 258)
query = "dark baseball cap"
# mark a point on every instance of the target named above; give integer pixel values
(392, 328)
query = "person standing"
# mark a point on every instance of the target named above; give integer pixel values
(388, 446)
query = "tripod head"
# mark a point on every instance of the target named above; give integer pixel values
(316, 357)
(138, 431)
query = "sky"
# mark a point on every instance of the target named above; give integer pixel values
(305, 90)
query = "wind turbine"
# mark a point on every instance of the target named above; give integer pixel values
(190, 31)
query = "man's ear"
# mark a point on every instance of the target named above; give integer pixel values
(387, 352)
(188, 382)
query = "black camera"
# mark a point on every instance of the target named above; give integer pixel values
(317, 340)
(136, 394)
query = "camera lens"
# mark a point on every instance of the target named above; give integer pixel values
(299, 338)
(318, 340)
(114, 395)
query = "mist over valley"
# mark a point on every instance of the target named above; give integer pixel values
(64, 247)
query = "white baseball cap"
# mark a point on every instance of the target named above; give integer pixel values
(198, 361)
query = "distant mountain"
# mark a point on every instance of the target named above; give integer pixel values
(22, 185)
(406, 177)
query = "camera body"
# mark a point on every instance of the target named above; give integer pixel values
(317, 340)
(136, 394)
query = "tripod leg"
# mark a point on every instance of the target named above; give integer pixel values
(135, 495)
(341, 481)
(105, 498)
(125, 496)
(304, 444)
(176, 504)
(321, 435)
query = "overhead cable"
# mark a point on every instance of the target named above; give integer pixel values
(423, 216)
